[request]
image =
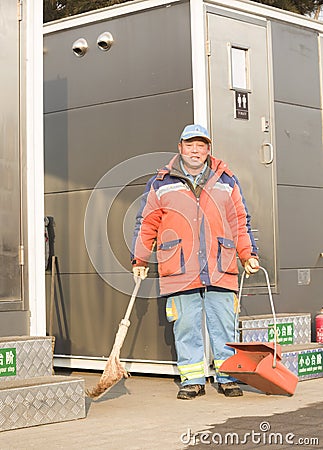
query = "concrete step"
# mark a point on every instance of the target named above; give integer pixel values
(41, 400)
(305, 361)
(293, 328)
(23, 357)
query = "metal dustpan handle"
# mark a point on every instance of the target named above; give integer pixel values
(271, 305)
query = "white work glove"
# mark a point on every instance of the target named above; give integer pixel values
(251, 266)
(140, 272)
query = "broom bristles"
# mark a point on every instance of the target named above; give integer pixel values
(113, 373)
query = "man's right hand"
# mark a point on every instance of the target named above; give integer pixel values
(140, 272)
(251, 266)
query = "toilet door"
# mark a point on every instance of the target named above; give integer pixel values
(241, 124)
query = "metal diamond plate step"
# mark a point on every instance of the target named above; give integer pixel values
(294, 328)
(305, 361)
(23, 357)
(41, 400)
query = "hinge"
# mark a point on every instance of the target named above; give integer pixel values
(21, 255)
(19, 10)
(208, 48)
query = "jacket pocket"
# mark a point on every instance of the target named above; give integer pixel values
(227, 256)
(171, 258)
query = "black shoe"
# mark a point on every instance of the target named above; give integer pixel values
(191, 391)
(229, 389)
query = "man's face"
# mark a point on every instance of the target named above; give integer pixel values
(194, 152)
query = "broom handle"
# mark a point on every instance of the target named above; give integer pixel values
(271, 305)
(132, 300)
(125, 322)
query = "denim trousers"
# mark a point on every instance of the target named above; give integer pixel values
(186, 311)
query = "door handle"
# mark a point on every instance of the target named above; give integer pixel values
(270, 158)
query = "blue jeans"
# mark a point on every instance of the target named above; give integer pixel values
(186, 311)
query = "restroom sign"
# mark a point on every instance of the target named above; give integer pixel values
(241, 105)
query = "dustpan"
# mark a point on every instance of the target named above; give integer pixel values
(259, 363)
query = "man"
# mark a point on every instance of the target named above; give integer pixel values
(194, 210)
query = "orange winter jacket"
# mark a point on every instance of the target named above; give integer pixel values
(199, 232)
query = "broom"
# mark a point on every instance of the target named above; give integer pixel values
(114, 371)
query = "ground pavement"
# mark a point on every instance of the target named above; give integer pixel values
(142, 413)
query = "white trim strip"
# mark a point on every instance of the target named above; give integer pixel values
(139, 366)
(199, 63)
(104, 14)
(135, 366)
(267, 12)
(35, 167)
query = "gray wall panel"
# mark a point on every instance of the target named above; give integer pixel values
(68, 211)
(299, 145)
(81, 145)
(300, 226)
(111, 223)
(296, 65)
(88, 312)
(151, 54)
(14, 323)
(292, 298)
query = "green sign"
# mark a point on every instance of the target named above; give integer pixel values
(309, 363)
(7, 362)
(285, 333)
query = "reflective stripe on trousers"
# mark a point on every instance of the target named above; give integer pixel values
(191, 371)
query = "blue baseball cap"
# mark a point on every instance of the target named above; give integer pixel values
(191, 131)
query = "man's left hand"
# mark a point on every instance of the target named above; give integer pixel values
(251, 266)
